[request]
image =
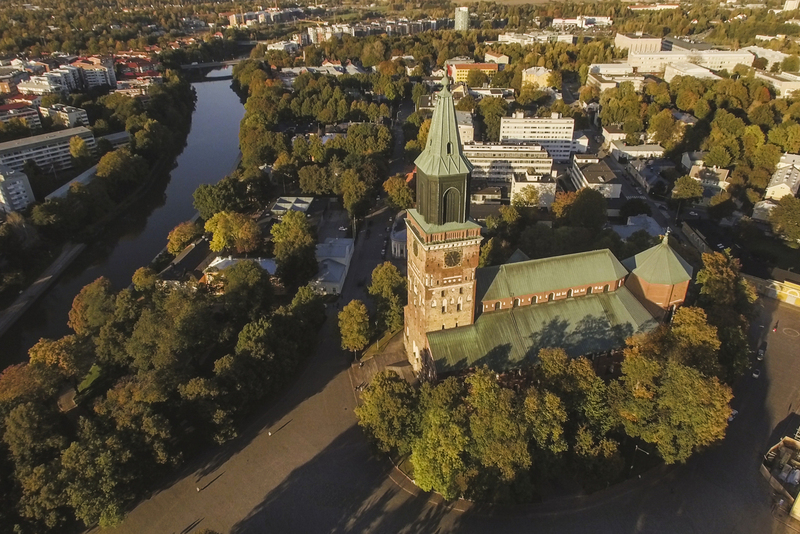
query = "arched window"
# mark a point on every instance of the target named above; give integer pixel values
(497, 305)
(451, 205)
(535, 299)
(569, 294)
(606, 288)
(516, 303)
(449, 148)
(551, 297)
(589, 290)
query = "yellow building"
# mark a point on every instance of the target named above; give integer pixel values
(460, 71)
(539, 76)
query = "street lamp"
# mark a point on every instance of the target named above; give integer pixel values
(637, 449)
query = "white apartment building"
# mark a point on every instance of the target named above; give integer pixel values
(784, 83)
(785, 181)
(15, 190)
(582, 22)
(532, 38)
(41, 85)
(499, 162)
(462, 19)
(46, 150)
(688, 69)
(772, 56)
(710, 59)
(21, 110)
(545, 185)
(588, 170)
(611, 69)
(67, 115)
(637, 42)
(554, 133)
(653, 7)
(610, 82)
(466, 127)
(96, 71)
(290, 47)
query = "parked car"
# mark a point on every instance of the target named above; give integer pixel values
(733, 415)
(756, 373)
(761, 351)
(342, 228)
(693, 214)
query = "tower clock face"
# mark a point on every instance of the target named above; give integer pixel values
(452, 258)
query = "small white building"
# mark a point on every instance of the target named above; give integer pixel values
(285, 204)
(611, 69)
(785, 181)
(334, 257)
(399, 237)
(495, 57)
(763, 209)
(690, 159)
(784, 83)
(620, 150)
(637, 42)
(466, 127)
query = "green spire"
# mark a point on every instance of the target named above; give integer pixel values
(442, 154)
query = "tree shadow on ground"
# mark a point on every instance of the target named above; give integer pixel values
(345, 489)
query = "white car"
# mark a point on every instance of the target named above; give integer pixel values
(342, 228)
(693, 213)
(756, 373)
(733, 415)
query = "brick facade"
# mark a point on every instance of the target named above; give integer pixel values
(439, 296)
(539, 298)
(657, 298)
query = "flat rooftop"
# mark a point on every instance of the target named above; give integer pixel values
(45, 138)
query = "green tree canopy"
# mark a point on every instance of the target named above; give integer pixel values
(354, 326)
(233, 231)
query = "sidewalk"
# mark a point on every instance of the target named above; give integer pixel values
(10, 315)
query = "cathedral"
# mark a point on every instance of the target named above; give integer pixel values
(460, 316)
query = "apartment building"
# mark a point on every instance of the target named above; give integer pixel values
(459, 72)
(46, 150)
(536, 76)
(784, 83)
(532, 38)
(96, 71)
(681, 45)
(710, 59)
(688, 69)
(462, 19)
(41, 85)
(611, 69)
(553, 133)
(23, 111)
(772, 56)
(582, 21)
(588, 170)
(602, 82)
(637, 42)
(15, 190)
(466, 126)
(9, 78)
(499, 162)
(68, 116)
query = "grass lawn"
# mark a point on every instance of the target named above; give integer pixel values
(91, 376)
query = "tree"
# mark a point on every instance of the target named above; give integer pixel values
(144, 279)
(785, 218)
(718, 156)
(315, 180)
(120, 170)
(233, 230)
(498, 431)
(79, 152)
(354, 193)
(180, 236)
(294, 248)
(247, 289)
(722, 286)
(528, 197)
(68, 354)
(439, 456)
(687, 188)
(92, 307)
(790, 64)
(387, 281)
(665, 130)
(400, 195)
(588, 210)
(354, 326)
(694, 342)
(476, 78)
(389, 412)
(562, 204)
(634, 206)
(491, 110)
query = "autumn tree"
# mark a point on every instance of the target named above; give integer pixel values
(389, 288)
(588, 210)
(354, 326)
(528, 197)
(400, 194)
(91, 308)
(785, 218)
(233, 231)
(389, 412)
(183, 234)
(79, 152)
(294, 248)
(562, 204)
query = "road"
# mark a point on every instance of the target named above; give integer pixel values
(664, 219)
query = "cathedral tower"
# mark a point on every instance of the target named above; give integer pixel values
(443, 244)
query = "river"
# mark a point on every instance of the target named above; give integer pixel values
(134, 239)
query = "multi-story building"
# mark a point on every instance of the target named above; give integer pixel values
(466, 126)
(602, 82)
(499, 162)
(536, 76)
(462, 19)
(688, 69)
(785, 181)
(784, 83)
(582, 22)
(68, 76)
(637, 42)
(96, 71)
(15, 190)
(653, 7)
(588, 170)
(554, 133)
(611, 69)
(459, 72)
(772, 56)
(680, 45)
(41, 85)
(67, 115)
(532, 38)
(791, 5)
(46, 150)
(710, 59)
(9, 78)
(495, 57)
(23, 111)
(289, 47)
